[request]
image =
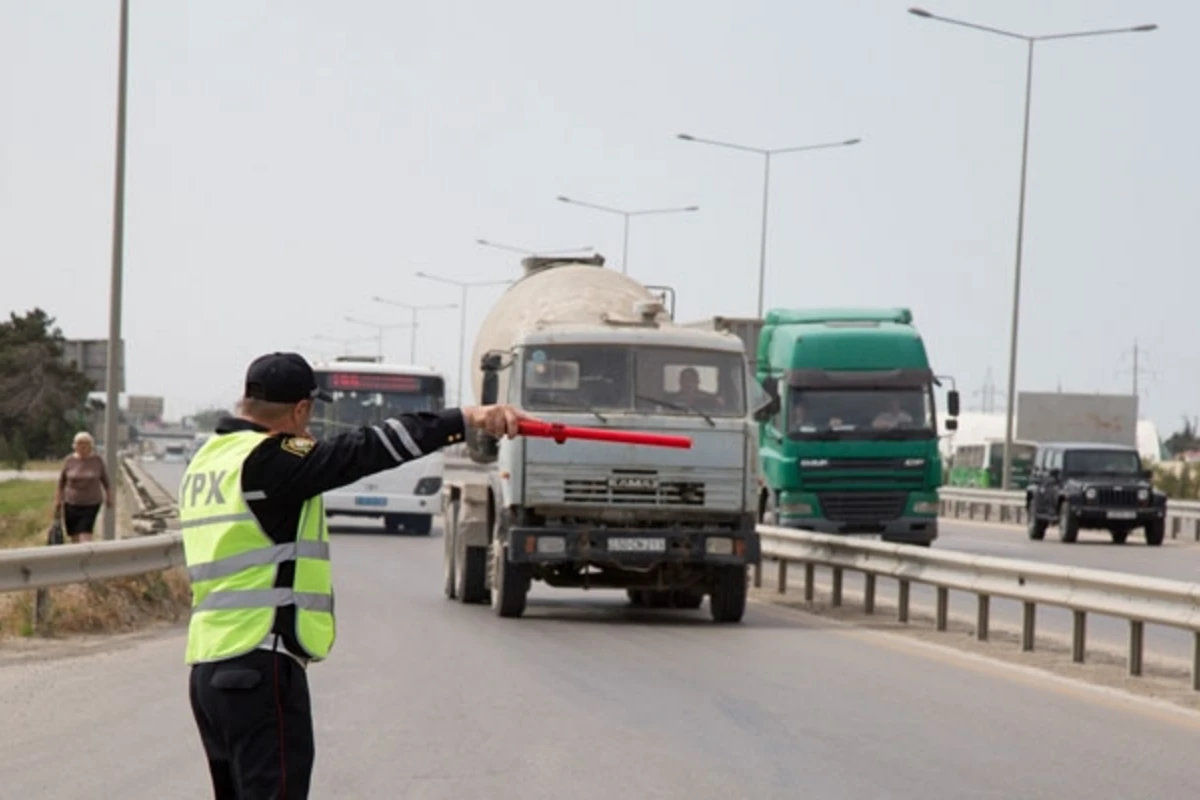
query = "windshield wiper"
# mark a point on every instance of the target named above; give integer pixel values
(574, 407)
(676, 406)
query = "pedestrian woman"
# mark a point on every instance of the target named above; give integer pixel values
(83, 485)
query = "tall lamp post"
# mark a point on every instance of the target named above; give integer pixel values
(1030, 41)
(114, 368)
(464, 286)
(412, 349)
(379, 328)
(345, 343)
(627, 215)
(766, 154)
(558, 251)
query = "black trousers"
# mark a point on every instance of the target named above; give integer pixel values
(255, 721)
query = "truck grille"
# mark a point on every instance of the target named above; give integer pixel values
(1116, 496)
(862, 507)
(633, 488)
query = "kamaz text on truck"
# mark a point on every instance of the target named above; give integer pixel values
(849, 443)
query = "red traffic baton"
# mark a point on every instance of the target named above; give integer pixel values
(560, 433)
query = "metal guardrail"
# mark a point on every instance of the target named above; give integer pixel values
(1139, 600)
(40, 568)
(44, 567)
(1183, 516)
(157, 510)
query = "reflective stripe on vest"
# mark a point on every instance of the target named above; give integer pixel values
(233, 564)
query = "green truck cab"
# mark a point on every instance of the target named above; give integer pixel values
(848, 443)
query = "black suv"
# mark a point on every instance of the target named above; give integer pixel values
(1096, 487)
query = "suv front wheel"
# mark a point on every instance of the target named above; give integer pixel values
(1155, 531)
(1036, 527)
(1068, 526)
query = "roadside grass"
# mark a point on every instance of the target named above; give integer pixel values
(37, 466)
(26, 509)
(111, 606)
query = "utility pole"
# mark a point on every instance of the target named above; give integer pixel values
(1138, 367)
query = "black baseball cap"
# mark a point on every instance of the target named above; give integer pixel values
(283, 378)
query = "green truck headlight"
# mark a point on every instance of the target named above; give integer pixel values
(925, 507)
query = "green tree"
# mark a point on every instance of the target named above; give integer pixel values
(40, 394)
(1183, 439)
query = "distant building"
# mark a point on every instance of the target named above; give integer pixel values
(975, 426)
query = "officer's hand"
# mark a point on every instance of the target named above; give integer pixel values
(498, 420)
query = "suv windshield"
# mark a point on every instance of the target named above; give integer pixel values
(660, 380)
(1101, 462)
(860, 413)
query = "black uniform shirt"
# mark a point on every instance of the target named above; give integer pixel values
(289, 470)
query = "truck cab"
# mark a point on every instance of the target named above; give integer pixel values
(849, 442)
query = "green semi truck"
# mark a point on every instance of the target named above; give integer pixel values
(849, 442)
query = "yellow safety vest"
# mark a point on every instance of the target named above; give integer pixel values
(232, 563)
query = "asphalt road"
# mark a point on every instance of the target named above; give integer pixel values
(587, 698)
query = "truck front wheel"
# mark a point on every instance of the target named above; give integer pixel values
(727, 603)
(510, 582)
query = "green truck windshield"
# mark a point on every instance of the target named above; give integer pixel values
(660, 380)
(860, 413)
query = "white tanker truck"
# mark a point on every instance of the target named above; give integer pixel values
(576, 343)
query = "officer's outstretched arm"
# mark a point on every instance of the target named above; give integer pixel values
(297, 468)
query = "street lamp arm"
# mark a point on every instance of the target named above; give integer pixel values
(439, 279)
(716, 143)
(919, 12)
(844, 143)
(1101, 32)
(676, 210)
(595, 206)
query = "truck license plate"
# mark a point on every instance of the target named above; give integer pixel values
(636, 544)
(1122, 515)
(370, 501)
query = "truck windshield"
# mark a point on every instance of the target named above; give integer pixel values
(368, 403)
(1101, 462)
(661, 380)
(860, 413)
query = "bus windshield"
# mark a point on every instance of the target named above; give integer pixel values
(902, 413)
(660, 380)
(365, 398)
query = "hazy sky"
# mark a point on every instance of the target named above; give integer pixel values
(288, 161)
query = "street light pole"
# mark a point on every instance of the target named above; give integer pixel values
(766, 154)
(379, 329)
(524, 251)
(412, 344)
(627, 214)
(115, 367)
(462, 319)
(1030, 41)
(345, 343)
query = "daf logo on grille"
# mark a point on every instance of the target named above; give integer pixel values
(632, 482)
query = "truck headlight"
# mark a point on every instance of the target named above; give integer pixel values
(803, 509)
(718, 546)
(1143, 495)
(1090, 494)
(925, 507)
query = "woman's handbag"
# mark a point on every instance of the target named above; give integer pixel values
(55, 534)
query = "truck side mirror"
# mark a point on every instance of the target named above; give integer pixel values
(952, 404)
(768, 405)
(483, 448)
(490, 366)
(951, 424)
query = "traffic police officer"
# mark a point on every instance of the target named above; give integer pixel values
(257, 551)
